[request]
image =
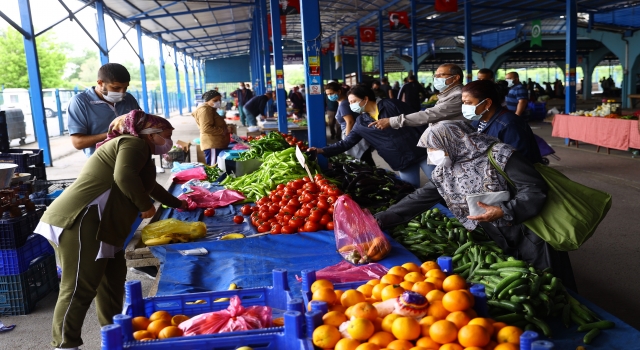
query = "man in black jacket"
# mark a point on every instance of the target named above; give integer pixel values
(412, 93)
(243, 95)
(255, 107)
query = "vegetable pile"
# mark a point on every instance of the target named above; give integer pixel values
(518, 293)
(261, 145)
(298, 206)
(213, 172)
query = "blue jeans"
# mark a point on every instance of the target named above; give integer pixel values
(243, 117)
(411, 174)
(212, 153)
(251, 119)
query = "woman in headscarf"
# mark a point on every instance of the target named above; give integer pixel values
(462, 169)
(214, 134)
(90, 221)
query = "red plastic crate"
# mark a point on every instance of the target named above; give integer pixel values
(15, 231)
(20, 293)
(17, 261)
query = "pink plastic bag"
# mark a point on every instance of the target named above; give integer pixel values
(358, 237)
(234, 318)
(190, 174)
(345, 272)
(203, 198)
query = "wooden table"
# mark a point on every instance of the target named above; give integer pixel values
(618, 134)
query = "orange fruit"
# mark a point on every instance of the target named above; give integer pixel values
(425, 324)
(147, 339)
(338, 296)
(360, 329)
(351, 297)
(139, 335)
(423, 288)
(474, 348)
(177, 319)
(382, 339)
(473, 335)
(156, 326)
(492, 344)
(420, 348)
(387, 322)
(377, 324)
(406, 328)
(365, 289)
(484, 322)
(398, 271)
(140, 323)
(400, 344)
(337, 307)
(160, 315)
(324, 294)
(451, 346)
(434, 295)
(414, 277)
(454, 282)
(391, 291)
(364, 310)
(326, 336)
(427, 342)
(460, 318)
(471, 313)
(377, 290)
(347, 344)
(334, 318)
(507, 346)
(170, 332)
(406, 285)
(437, 310)
(368, 346)
(321, 284)
(509, 334)
(391, 279)
(456, 301)
(348, 311)
(429, 265)
(411, 267)
(373, 282)
(471, 298)
(443, 332)
(497, 326)
(435, 280)
(436, 273)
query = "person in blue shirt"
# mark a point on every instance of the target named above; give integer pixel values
(255, 107)
(518, 96)
(91, 111)
(481, 103)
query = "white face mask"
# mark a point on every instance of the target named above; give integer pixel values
(509, 82)
(469, 111)
(111, 96)
(164, 148)
(216, 104)
(438, 158)
(356, 108)
(441, 83)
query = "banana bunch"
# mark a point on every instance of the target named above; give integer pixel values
(232, 286)
(169, 238)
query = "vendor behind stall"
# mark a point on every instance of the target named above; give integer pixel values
(214, 134)
(463, 169)
(90, 221)
(256, 107)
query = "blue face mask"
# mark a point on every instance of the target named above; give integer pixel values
(356, 108)
(332, 98)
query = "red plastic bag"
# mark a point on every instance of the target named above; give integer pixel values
(190, 174)
(345, 272)
(203, 198)
(358, 237)
(234, 318)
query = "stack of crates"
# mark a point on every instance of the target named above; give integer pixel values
(28, 160)
(27, 264)
(46, 191)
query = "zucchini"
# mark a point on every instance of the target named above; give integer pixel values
(596, 325)
(507, 305)
(487, 272)
(516, 283)
(462, 268)
(544, 327)
(513, 269)
(588, 338)
(462, 248)
(509, 318)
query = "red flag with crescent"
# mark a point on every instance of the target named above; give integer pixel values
(398, 20)
(348, 40)
(446, 5)
(368, 34)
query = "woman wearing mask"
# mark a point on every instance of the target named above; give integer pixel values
(482, 104)
(396, 146)
(462, 169)
(347, 118)
(214, 134)
(90, 221)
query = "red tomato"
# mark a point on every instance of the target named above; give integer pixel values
(315, 215)
(332, 199)
(306, 197)
(309, 205)
(274, 209)
(311, 226)
(286, 218)
(262, 200)
(276, 229)
(330, 210)
(334, 191)
(296, 222)
(209, 212)
(306, 179)
(323, 205)
(299, 192)
(318, 177)
(297, 184)
(311, 187)
(275, 198)
(330, 225)
(238, 219)
(246, 209)
(290, 209)
(294, 201)
(263, 228)
(255, 208)
(326, 218)
(286, 229)
(280, 187)
(283, 203)
(303, 212)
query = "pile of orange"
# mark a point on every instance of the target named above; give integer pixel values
(450, 323)
(160, 325)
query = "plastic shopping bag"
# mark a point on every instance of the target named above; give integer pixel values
(193, 230)
(190, 174)
(234, 318)
(345, 272)
(358, 237)
(178, 167)
(202, 198)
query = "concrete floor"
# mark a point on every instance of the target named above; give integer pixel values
(604, 266)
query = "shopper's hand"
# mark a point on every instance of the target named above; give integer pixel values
(184, 205)
(492, 213)
(317, 150)
(149, 213)
(380, 124)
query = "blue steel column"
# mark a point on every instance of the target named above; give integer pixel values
(265, 41)
(381, 52)
(281, 94)
(359, 54)
(59, 109)
(414, 38)
(344, 74)
(179, 97)
(186, 82)
(196, 83)
(163, 81)
(571, 60)
(143, 71)
(102, 33)
(468, 54)
(203, 80)
(310, 17)
(35, 84)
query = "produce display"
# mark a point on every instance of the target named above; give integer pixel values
(411, 307)
(213, 172)
(518, 293)
(272, 142)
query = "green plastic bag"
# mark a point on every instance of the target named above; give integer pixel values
(571, 213)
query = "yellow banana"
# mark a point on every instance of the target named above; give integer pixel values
(232, 286)
(232, 236)
(158, 241)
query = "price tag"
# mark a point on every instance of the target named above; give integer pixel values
(302, 160)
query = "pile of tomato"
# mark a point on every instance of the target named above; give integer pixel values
(299, 206)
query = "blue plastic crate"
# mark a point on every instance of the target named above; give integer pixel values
(22, 157)
(309, 276)
(20, 293)
(17, 261)
(15, 231)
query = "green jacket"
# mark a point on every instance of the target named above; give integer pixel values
(125, 166)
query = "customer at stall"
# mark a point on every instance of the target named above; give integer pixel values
(331, 107)
(242, 95)
(214, 134)
(463, 168)
(482, 105)
(518, 96)
(90, 221)
(256, 107)
(347, 119)
(397, 147)
(485, 74)
(413, 93)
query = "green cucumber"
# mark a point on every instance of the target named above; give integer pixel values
(456, 257)
(566, 315)
(414, 224)
(536, 281)
(494, 279)
(506, 282)
(576, 309)
(507, 305)
(462, 268)
(513, 269)
(519, 290)
(544, 327)
(596, 325)
(462, 248)
(518, 299)
(588, 338)
(577, 319)
(487, 272)
(516, 283)
(509, 318)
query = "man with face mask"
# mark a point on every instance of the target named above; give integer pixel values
(243, 95)
(91, 111)
(518, 96)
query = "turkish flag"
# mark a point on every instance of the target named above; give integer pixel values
(446, 5)
(289, 7)
(398, 20)
(332, 47)
(325, 50)
(348, 40)
(283, 25)
(368, 34)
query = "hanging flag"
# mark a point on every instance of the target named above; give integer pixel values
(398, 20)
(283, 25)
(348, 40)
(337, 53)
(289, 7)
(536, 33)
(446, 5)
(332, 47)
(368, 34)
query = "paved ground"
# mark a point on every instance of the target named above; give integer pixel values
(604, 266)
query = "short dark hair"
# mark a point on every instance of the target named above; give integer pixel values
(412, 78)
(336, 87)
(454, 69)
(384, 80)
(483, 89)
(362, 91)
(114, 73)
(375, 82)
(487, 71)
(207, 96)
(515, 74)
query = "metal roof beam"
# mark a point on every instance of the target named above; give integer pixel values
(203, 27)
(518, 9)
(164, 15)
(16, 26)
(238, 45)
(64, 19)
(199, 41)
(145, 13)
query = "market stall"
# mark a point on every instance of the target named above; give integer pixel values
(620, 134)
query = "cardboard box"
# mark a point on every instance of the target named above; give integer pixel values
(200, 155)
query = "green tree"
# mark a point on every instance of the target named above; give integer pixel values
(76, 64)
(51, 57)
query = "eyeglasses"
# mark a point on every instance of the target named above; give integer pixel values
(441, 75)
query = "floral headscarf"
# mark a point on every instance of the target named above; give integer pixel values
(136, 123)
(470, 172)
